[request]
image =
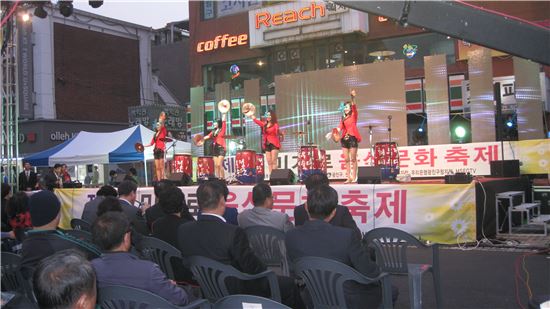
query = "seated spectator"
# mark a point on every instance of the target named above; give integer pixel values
(212, 237)
(155, 212)
(65, 280)
(177, 213)
(18, 211)
(45, 239)
(342, 217)
(262, 213)
(174, 206)
(109, 203)
(90, 208)
(317, 237)
(127, 194)
(6, 195)
(230, 214)
(112, 233)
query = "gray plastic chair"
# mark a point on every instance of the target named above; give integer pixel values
(211, 276)
(325, 280)
(12, 278)
(236, 301)
(390, 246)
(160, 253)
(79, 224)
(123, 297)
(268, 244)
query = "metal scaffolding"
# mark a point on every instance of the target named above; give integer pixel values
(9, 113)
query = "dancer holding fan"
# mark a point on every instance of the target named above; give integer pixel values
(218, 136)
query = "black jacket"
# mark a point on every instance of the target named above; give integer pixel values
(342, 218)
(25, 183)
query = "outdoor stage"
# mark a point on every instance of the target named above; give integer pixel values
(443, 213)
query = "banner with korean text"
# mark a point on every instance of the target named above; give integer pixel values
(435, 212)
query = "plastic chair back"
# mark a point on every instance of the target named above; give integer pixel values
(123, 297)
(236, 301)
(12, 278)
(212, 276)
(269, 246)
(79, 224)
(325, 280)
(160, 253)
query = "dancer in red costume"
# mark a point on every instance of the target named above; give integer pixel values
(270, 135)
(159, 141)
(350, 138)
(218, 135)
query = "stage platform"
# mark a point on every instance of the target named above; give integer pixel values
(429, 209)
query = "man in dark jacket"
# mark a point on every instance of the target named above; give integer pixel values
(27, 178)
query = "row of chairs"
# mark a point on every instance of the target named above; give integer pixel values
(389, 244)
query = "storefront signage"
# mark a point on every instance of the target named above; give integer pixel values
(289, 16)
(222, 41)
(298, 21)
(61, 136)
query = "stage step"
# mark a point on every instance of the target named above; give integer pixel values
(542, 220)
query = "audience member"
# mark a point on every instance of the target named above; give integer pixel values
(65, 174)
(342, 217)
(213, 238)
(155, 212)
(65, 280)
(230, 214)
(112, 233)
(113, 178)
(109, 203)
(90, 208)
(174, 206)
(53, 179)
(44, 240)
(132, 175)
(262, 213)
(18, 211)
(127, 194)
(319, 238)
(6, 195)
(27, 178)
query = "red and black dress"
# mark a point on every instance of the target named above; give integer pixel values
(219, 140)
(270, 136)
(348, 128)
(158, 141)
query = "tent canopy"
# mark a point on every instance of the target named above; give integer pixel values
(104, 148)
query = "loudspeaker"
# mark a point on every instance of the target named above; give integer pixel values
(504, 168)
(282, 177)
(180, 179)
(458, 178)
(369, 174)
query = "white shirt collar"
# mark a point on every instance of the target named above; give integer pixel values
(214, 215)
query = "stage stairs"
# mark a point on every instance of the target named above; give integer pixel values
(516, 216)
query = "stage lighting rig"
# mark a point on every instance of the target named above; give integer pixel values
(39, 10)
(65, 7)
(404, 18)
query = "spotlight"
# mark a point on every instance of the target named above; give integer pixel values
(66, 7)
(460, 132)
(39, 11)
(420, 129)
(25, 17)
(509, 123)
(95, 3)
(404, 18)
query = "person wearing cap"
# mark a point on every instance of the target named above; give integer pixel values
(45, 239)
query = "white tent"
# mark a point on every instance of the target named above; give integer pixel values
(104, 148)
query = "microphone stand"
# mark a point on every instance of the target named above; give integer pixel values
(371, 148)
(389, 146)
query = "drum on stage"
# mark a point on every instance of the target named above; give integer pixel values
(182, 163)
(309, 161)
(386, 155)
(205, 168)
(245, 165)
(323, 161)
(260, 168)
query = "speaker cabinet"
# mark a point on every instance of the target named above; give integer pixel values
(505, 168)
(282, 177)
(369, 174)
(458, 178)
(180, 179)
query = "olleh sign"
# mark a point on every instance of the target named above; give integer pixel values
(222, 41)
(289, 16)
